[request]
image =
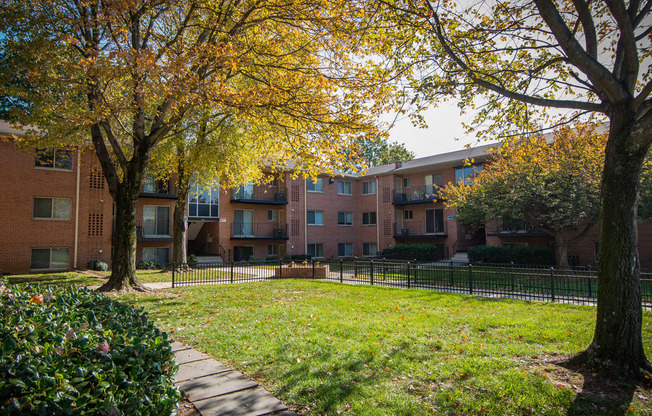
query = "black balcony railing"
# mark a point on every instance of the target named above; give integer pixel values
(415, 229)
(258, 231)
(416, 195)
(512, 228)
(260, 195)
(159, 189)
(154, 230)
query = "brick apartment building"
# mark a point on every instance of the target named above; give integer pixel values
(57, 214)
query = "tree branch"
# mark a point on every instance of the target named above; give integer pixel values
(589, 27)
(602, 79)
(626, 41)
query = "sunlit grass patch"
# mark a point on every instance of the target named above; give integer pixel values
(329, 348)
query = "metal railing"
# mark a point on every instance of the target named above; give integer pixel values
(260, 193)
(261, 230)
(420, 228)
(543, 284)
(416, 194)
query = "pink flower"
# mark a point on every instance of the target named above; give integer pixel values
(103, 347)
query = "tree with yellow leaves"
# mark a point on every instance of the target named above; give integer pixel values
(552, 187)
(127, 73)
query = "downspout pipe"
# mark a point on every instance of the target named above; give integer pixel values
(76, 248)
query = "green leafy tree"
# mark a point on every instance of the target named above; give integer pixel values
(553, 187)
(373, 151)
(512, 62)
(128, 74)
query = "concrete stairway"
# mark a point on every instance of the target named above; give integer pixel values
(460, 257)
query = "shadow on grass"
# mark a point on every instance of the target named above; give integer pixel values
(600, 396)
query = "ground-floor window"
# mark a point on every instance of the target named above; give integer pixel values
(243, 253)
(272, 250)
(315, 250)
(157, 255)
(50, 258)
(369, 249)
(344, 249)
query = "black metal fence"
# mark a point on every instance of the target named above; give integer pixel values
(546, 284)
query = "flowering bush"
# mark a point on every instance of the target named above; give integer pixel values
(73, 351)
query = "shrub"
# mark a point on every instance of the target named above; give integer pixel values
(517, 255)
(419, 252)
(72, 351)
(100, 266)
(192, 260)
(147, 265)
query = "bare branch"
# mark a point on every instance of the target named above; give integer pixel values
(627, 42)
(589, 27)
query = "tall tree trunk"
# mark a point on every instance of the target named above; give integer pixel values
(561, 250)
(123, 268)
(617, 345)
(180, 225)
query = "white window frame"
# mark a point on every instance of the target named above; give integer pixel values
(54, 159)
(272, 215)
(316, 214)
(347, 216)
(62, 267)
(146, 231)
(317, 249)
(53, 206)
(368, 222)
(368, 188)
(345, 245)
(317, 185)
(370, 253)
(344, 191)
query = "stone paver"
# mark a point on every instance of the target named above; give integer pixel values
(215, 385)
(188, 356)
(217, 390)
(255, 402)
(197, 369)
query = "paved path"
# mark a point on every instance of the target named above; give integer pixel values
(217, 390)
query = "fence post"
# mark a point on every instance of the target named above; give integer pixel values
(313, 268)
(341, 270)
(372, 272)
(552, 283)
(384, 269)
(174, 268)
(470, 279)
(511, 272)
(408, 274)
(451, 274)
(355, 267)
(231, 271)
(588, 278)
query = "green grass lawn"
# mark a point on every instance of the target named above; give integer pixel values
(84, 279)
(326, 348)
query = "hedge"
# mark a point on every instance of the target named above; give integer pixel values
(516, 255)
(72, 351)
(419, 252)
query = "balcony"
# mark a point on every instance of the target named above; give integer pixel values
(512, 229)
(154, 230)
(260, 195)
(416, 195)
(258, 231)
(165, 189)
(420, 229)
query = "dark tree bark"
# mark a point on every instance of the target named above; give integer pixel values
(617, 345)
(180, 225)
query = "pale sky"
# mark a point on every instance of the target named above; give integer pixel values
(444, 126)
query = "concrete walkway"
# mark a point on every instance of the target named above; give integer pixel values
(217, 390)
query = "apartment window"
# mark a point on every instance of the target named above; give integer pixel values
(369, 218)
(368, 188)
(407, 214)
(343, 188)
(272, 249)
(52, 208)
(273, 183)
(203, 202)
(465, 174)
(315, 250)
(272, 215)
(245, 191)
(53, 159)
(433, 183)
(315, 185)
(345, 249)
(315, 218)
(344, 218)
(369, 249)
(156, 220)
(434, 221)
(49, 258)
(407, 182)
(156, 255)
